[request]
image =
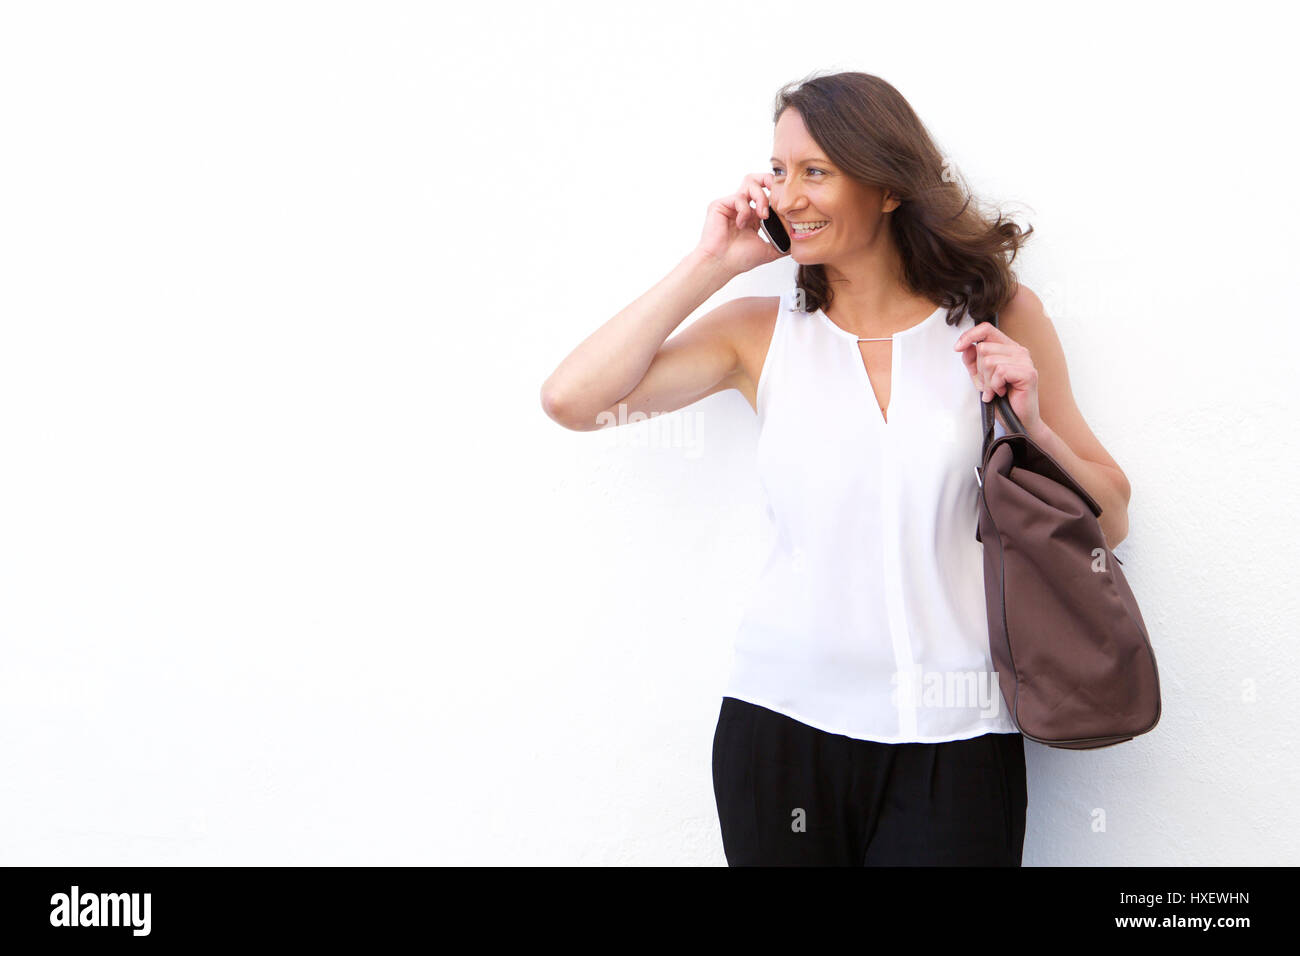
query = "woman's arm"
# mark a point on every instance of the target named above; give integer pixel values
(627, 361)
(1062, 431)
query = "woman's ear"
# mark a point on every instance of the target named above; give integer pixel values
(890, 203)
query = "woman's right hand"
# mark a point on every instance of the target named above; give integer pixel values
(731, 228)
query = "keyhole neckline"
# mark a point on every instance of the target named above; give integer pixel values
(895, 362)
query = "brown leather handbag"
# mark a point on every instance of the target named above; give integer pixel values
(1072, 653)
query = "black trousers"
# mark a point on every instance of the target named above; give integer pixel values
(792, 795)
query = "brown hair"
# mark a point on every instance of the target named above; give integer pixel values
(952, 252)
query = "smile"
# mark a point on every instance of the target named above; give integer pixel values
(803, 230)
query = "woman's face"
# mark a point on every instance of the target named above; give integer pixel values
(807, 188)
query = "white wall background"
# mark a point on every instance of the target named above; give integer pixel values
(295, 568)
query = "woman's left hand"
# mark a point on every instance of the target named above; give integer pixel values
(998, 364)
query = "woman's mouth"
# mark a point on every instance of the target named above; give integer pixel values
(805, 230)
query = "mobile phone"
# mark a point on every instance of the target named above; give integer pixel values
(775, 230)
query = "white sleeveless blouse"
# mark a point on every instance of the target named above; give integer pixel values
(868, 618)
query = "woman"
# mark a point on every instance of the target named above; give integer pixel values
(862, 724)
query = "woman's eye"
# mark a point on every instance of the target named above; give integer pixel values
(776, 170)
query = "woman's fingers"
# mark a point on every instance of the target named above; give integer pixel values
(747, 217)
(983, 332)
(751, 187)
(996, 365)
(743, 212)
(760, 197)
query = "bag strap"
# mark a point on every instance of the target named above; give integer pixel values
(1009, 418)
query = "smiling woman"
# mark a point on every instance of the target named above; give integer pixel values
(847, 703)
